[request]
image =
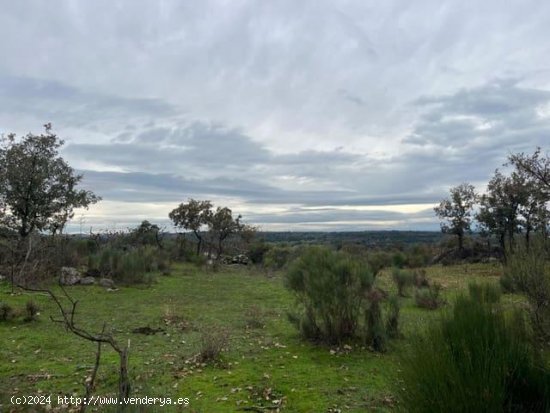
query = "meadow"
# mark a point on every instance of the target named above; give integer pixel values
(265, 365)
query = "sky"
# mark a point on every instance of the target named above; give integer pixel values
(299, 115)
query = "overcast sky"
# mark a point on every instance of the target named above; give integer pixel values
(299, 115)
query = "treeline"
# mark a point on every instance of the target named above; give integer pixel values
(514, 204)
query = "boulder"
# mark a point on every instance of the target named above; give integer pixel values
(87, 281)
(69, 276)
(106, 282)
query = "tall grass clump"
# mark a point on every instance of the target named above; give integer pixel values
(474, 360)
(527, 271)
(485, 292)
(330, 289)
(404, 279)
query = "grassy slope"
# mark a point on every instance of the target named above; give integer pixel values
(41, 357)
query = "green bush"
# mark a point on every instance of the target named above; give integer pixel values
(399, 259)
(6, 312)
(473, 360)
(256, 252)
(278, 257)
(132, 266)
(429, 297)
(526, 271)
(404, 279)
(330, 288)
(378, 260)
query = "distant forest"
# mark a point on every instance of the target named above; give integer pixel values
(369, 238)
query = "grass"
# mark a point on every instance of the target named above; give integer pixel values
(261, 363)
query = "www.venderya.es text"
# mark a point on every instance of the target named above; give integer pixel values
(100, 400)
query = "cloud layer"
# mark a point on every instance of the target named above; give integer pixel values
(309, 115)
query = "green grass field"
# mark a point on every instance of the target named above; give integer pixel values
(262, 367)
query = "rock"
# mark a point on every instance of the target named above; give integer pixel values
(69, 276)
(106, 282)
(93, 272)
(240, 259)
(87, 281)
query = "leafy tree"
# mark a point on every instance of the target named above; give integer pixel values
(535, 165)
(192, 216)
(498, 213)
(147, 234)
(38, 189)
(513, 204)
(221, 225)
(457, 211)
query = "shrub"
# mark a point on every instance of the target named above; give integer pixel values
(403, 279)
(379, 260)
(278, 257)
(256, 252)
(473, 360)
(132, 266)
(212, 342)
(485, 292)
(6, 312)
(330, 288)
(420, 278)
(526, 272)
(392, 321)
(376, 332)
(31, 311)
(399, 259)
(429, 297)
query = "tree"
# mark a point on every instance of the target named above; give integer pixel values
(147, 234)
(221, 225)
(535, 165)
(38, 189)
(457, 211)
(192, 216)
(536, 169)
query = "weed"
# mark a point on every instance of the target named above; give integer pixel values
(213, 340)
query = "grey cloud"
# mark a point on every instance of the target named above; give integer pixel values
(250, 99)
(67, 105)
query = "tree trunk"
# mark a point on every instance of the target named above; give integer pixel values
(123, 379)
